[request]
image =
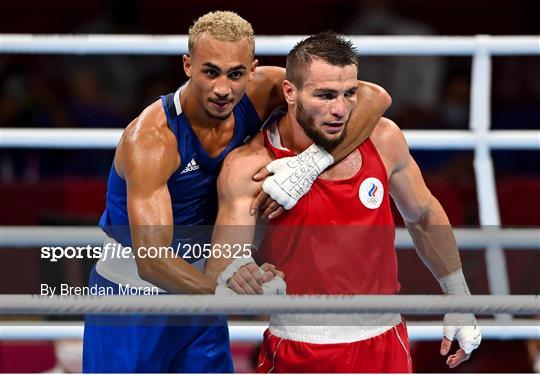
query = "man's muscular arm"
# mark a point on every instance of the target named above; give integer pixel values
(431, 232)
(146, 158)
(234, 224)
(424, 216)
(236, 190)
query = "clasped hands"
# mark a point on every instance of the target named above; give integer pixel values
(244, 276)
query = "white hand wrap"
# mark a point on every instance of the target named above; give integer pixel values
(231, 269)
(276, 286)
(273, 287)
(224, 290)
(293, 176)
(462, 326)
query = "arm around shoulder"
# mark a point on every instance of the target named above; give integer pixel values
(265, 90)
(374, 93)
(372, 102)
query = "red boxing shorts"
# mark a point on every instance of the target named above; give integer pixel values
(387, 352)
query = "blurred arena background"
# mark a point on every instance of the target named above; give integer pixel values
(67, 187)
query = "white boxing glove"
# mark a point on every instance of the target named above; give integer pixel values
(462, 326)
(293, 176)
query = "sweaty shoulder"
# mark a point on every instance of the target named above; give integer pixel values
(241, 164)
(148, 139)
(390, 144)
(265, 91)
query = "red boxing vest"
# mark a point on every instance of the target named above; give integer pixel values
(339, 238)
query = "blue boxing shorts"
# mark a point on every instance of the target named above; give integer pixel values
(154, 343)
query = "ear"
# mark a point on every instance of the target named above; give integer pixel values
(289, 91)
(186, 61)
(252, 68)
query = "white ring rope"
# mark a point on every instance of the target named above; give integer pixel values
(268, 45)
(250, 331)
(417, 139)
(255, 305)
(467, 239)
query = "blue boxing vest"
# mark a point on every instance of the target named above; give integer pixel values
(192, 187)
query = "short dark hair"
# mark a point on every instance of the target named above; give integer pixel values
(327, 46)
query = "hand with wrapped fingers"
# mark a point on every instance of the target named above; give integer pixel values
(288, 179)
(465, 329)
(461, 326)
(264, 203)
(244, 276)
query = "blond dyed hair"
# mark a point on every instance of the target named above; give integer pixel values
(222, 25)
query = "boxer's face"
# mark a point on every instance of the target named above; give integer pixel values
(219, 73)
(324, 103)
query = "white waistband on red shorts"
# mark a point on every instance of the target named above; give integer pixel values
(331, 328)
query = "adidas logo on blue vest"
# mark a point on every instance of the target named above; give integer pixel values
(192, 166)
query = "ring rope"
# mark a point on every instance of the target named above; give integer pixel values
(417, 139)
(268, 45)
(257, 305)
(250, 331)
(467, 239)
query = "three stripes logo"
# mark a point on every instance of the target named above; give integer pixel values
(192, 166)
